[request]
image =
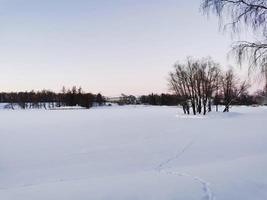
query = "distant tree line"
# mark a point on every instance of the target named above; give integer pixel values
(226, 90)
(48, 99)
(161, 100)
(174, 100)
(151, 99)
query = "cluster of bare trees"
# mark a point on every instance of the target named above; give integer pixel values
(200, 83)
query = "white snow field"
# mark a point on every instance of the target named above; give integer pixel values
(133, 153)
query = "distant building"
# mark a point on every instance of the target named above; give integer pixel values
(112, 99)
(122, 100)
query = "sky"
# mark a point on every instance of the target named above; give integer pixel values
(112, 47)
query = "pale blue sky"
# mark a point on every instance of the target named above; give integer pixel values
(108, 46)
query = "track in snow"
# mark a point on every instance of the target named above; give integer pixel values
(208, 194)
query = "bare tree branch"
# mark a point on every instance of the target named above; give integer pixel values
(244, 13)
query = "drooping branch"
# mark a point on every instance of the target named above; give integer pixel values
(244, 14)
(252, 13)
(254, 52)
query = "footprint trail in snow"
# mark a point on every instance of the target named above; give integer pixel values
(208, 194)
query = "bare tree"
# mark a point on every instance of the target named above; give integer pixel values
(196, 82)
(244, 14)
(179, 84)
(228, 83)
(210, 73)
(232, 88)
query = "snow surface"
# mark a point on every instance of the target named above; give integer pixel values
(133, 153)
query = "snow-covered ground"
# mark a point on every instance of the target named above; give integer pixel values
(133, 153)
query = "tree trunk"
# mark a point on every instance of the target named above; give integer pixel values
(199, 107)
(226, 109)
(209, 108)
(204, 107)
(194, 108)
